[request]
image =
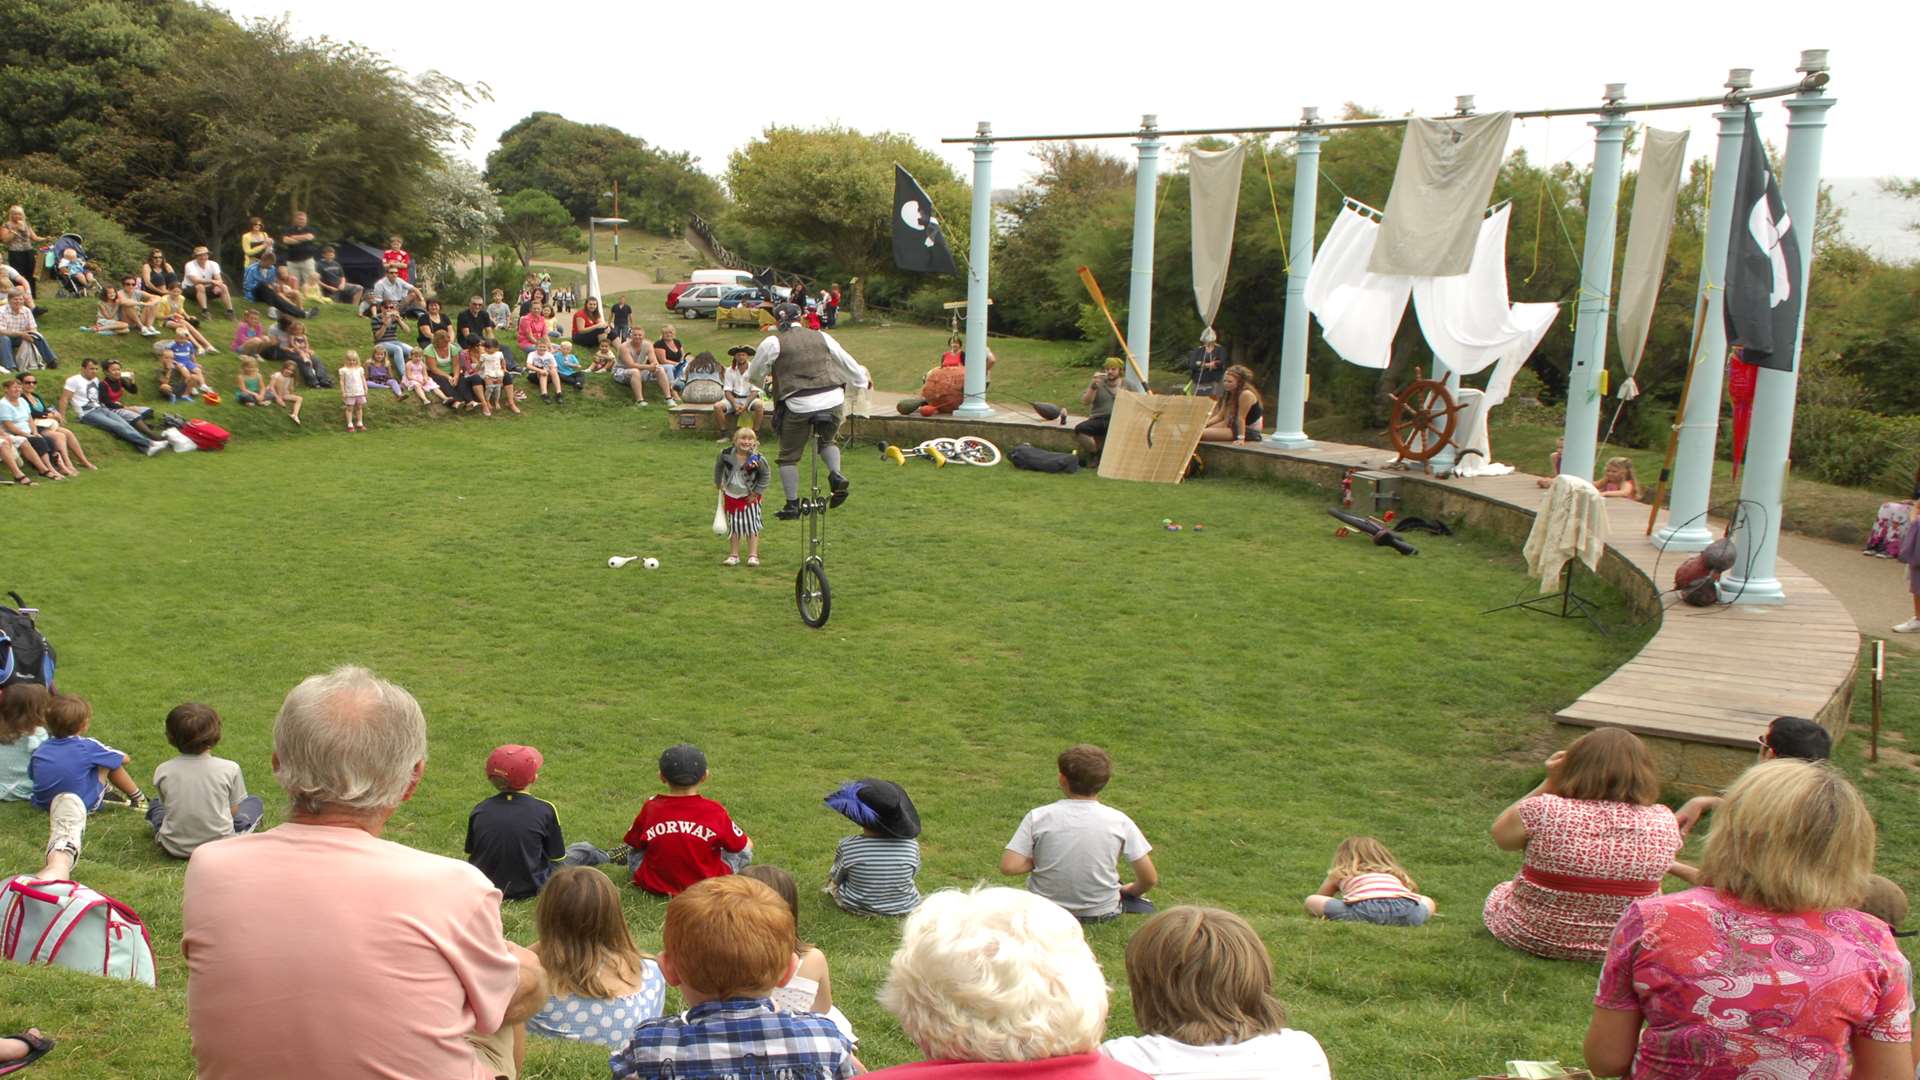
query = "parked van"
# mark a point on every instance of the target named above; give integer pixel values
(721, 277)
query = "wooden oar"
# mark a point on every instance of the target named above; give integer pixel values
(1100, 298)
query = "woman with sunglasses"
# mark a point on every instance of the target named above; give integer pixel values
(47, 422)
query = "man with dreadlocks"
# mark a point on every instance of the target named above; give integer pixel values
(811, 374)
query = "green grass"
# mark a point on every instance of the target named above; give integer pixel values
(1265, 689)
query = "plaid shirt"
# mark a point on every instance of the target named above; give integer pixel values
(14, 321)
(736, 1039)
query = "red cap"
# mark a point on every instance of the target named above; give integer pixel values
(518, 765)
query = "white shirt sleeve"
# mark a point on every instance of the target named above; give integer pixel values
(1133, 842)
(1022, 842)
(763, 358)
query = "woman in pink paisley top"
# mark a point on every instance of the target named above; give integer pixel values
(1595, 839)
(1763, 971)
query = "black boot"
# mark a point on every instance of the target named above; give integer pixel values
(789, 512)
(839, 486)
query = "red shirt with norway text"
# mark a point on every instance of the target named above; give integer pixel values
(682, 837)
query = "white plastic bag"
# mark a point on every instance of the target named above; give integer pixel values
(179, 441)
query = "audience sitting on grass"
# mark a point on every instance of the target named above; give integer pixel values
(381, 375)
(47, 423)
(393, 286)
(116, 386)
(1367, 884)
(21, 442)
(280, 392)
(997, 983)
(635, 365)
(1786, 737)
(1070, 849)
(599, 986)
(420, 381)
(22, 347)
(1595, 838)
(513, 837)
(170, 314)
(681, 837)
(81, 397)
(70, 762)
(249, 336)
(810, 987)
(264, 284)
(1765, 969)
(202, 277)
(727, 944)
(198, 798)
(1202, 987)
(23, 727)
(137, 309)
(297, 349)
(249, 387)
(106, 317)
(500, 315)
(385, 322)
(435, 318)
(332, 278)
(873, 873)
(531, 328)
(588, 325)
(545, 373)
(399, 958)
(567, 365)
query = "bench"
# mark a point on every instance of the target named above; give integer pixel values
(742, 316)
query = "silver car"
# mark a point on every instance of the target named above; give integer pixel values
(700, 300)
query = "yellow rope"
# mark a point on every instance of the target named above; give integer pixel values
(1286, 263)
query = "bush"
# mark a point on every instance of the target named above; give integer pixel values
(1843, 445)
(53, 212)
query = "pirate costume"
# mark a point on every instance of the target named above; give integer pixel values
(741, 484)
(811, 373)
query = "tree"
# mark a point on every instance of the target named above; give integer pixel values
(828, 192)
(457, 211)
(530, 218)
(578, 164)
(1032, 296)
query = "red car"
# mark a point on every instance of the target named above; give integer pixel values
(674, 293)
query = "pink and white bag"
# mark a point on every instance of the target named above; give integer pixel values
(65, 924)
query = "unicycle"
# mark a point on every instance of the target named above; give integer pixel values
(811, 593)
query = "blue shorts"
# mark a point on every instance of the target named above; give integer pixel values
(1399, 911)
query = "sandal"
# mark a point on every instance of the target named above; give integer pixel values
(38, 1046)
(753, 560)
(731, 560)
(23, 480)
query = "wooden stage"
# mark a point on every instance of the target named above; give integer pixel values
(1703, 688)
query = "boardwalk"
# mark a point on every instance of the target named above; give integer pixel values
(1713, 676)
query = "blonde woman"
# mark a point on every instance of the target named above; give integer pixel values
(1765, 969)
(256, 241)
(21, 242)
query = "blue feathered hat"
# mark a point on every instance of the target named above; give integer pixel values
(881, 805)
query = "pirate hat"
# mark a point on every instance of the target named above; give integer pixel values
(881, 805)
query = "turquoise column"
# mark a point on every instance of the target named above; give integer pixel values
(1596, 291)
(1764, 476)
(1700, 425)
(1290, 408)
(980, 237)
(1146, 188)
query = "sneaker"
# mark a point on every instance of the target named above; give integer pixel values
(66, 824)
(839, 486)
(116, 799)
(789, 512)
(148, 331)
(731, 560)
(138, 801)
(643, 403)
(753, 560)
(619, 854)
(1911, 626)
(155, 447)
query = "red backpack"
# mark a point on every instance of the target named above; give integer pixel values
(206, 435)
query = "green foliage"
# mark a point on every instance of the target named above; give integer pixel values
(456, 214)
(182, 122)
(531, 218)
(1856, 447)
(1035, 293)
(825, 196)
(51, 212)
(578, 163)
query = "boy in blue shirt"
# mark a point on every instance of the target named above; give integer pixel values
(514, 838)
(181, 356)
(69, 763)
(567, 365)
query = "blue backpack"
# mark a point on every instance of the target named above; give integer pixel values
(25, 654)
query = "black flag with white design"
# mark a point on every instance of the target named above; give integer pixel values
(919, 244)
(1765, 289)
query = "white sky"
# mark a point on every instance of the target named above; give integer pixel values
(697, 77)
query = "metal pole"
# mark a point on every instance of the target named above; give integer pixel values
(1596, 292)
(978, 303)
(1879, 677)
(1700, 422)
(1769, 442)
(616, 213)
(1146, 190)
(1290, 407)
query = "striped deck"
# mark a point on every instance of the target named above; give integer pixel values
(1716, 676)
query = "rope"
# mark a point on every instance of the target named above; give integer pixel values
(1286, 263)
(1166, 185)
(1329, 179)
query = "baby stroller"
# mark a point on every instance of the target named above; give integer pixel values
(74, 281)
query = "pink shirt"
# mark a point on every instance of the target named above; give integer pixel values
(532, 328)
(314, 950)
(1072, 1067)
(1731, 990)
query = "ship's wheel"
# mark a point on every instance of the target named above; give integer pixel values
(1425, 415)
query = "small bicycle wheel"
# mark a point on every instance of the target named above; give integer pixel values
(812, 595)
(977, 451)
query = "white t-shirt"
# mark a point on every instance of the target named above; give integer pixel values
(86, 394)
(1076, 846)
(353, 381)
(1281, 1055)
(195, 274)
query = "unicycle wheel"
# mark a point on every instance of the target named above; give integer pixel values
(812, 595)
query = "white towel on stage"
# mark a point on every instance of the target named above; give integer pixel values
(1571, 524)
(1444, 176)
(1469, 323)
(1359, 311)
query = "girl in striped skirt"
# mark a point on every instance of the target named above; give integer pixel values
(741, 475)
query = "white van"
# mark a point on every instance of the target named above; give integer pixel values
(720, 277)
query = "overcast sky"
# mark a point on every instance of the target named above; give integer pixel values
(707, 78)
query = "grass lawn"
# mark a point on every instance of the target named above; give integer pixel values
(1265, 689)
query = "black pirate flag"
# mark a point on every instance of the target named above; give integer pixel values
(919, 244)
(1765, 286)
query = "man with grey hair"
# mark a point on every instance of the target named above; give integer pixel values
(319, 949)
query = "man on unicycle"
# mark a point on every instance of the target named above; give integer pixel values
(811, 376)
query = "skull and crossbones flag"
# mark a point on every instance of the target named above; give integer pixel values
(919, 244)
(1765, 282)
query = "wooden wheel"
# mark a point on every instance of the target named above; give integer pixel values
(1424, 417)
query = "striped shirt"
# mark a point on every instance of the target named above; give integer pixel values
(736, 1039)
(1374, 887)
(875, 873)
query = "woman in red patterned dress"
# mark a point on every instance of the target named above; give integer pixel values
(1764, 971)
(1595, 839)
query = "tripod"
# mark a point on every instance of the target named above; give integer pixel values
(1571, 604)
